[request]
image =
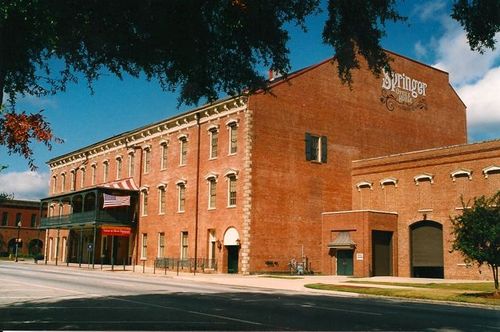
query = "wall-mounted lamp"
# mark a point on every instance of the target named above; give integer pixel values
(238, 242)
(219, 244)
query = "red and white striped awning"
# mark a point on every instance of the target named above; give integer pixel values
(127, 184)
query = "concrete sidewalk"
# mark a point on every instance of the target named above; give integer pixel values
(270, 282)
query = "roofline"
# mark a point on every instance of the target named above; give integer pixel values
(424, 151)
(145, 127)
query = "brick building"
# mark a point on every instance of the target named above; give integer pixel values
(249, 183)
(20, 220)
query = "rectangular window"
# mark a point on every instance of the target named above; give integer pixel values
(82, 178)
(147, 161)
(163, 162)
(161, 245)
(94, 174)
(144, 246)
(212, 190)
(131, 160)
(33, 220)
(144, 203)
(233, 136)
(63, 182)
(232, 190)
(118, 168)
(54, 184)
(184, 245)
(214, 141)
(18, 220)
(105, 171)
(5, 219)
(316, 148)
(183, 151)
(182, 197)
(161, 200)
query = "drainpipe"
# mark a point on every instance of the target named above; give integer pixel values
(196, 220)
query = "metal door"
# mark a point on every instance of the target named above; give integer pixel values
(345, 262)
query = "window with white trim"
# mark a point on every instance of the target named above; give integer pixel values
(54, 184)
(181, 192)
(118, 168)
(233, 137)
(144, 246)
(163, 152)
(161, 199)
(184, 245)
(231, 190)
(105, 171)
(131, 161)
(63, 182)
(94, 173)
(82, 177)
(212, 192)
(161, 245)
(316, 148)
(147, 160)
(214, 142)
(183, 150)
(72, 180)
(144, 205)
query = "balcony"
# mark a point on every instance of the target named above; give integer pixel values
(85, 208)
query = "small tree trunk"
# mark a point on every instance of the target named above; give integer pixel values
(495, 277)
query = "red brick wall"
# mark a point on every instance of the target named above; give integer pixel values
(288, 192)
(360, 225)
(436, 201)
(26, 232)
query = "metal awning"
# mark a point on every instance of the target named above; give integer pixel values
(342, 241)
(127, 184)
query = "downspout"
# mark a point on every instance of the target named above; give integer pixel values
(196, 220)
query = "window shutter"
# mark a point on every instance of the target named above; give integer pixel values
(324, 149)
(308, 146)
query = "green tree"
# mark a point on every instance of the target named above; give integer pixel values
(200, 47)
(477, 233)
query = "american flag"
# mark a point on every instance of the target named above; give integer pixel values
(113, 201)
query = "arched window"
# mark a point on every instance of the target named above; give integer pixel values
(231, 176)
(118, 167)
(63, 181)
(144, 201)
(163, 155)
(183, 142)
(232, 126)
(146, 159)
(131, 161)
(212, 190)
(105, 171)
(161, 198)
(181, 195)
(213, 132)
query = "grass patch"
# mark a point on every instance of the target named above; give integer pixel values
(447, 293)
(466, 286)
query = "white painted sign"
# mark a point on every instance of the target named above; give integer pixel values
(400, 89)
(359, 256)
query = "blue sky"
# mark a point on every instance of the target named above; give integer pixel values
(82, 118)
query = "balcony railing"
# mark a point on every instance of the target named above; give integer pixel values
(111, 216)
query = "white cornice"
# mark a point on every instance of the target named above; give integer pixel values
(142, 135)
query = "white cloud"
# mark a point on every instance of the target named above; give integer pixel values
(429, 9)
(420, 49)
(25, 185)
(483, 105)
(454, 55)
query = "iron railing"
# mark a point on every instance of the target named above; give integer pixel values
(187, 264)
(99, 216)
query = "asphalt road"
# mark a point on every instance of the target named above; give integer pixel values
(39, 297)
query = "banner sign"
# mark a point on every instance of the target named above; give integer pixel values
(116, 231)
(402, 91)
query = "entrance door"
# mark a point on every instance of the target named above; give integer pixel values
(344, 262)
(232, 259)
(381, 253)
(427, 249)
